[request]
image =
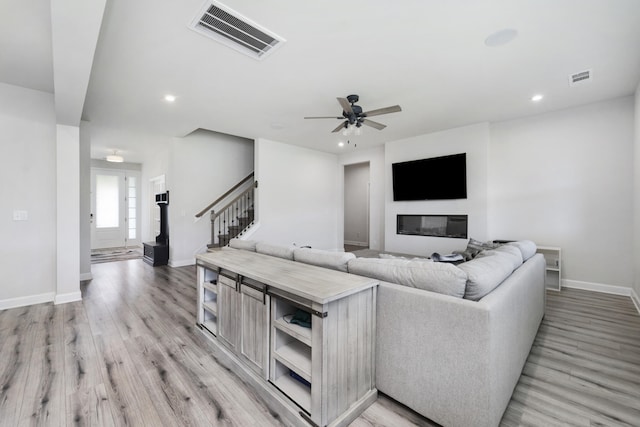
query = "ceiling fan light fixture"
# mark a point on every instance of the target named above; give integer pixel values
(356, 117)
(115, 158)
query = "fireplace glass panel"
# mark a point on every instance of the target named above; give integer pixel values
(453, 226)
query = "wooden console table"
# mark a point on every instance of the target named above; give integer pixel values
(323, 375)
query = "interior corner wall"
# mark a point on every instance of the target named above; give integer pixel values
(636, 196)
(298, 196)
(473, 140)
(28, 175)
(375, 158)
(85, 201)
(565, 179)
(202, 166)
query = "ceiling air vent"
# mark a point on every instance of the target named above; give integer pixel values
(580, 78)
(228, 27)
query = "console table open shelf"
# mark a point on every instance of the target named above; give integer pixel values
(323, 375)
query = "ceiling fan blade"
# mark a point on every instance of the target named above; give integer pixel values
(373, 124)
(379, 111)
(342, 126)
(326, 117)
(346, 106)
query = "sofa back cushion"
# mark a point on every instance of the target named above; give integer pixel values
(431, 276)
(511, 253)
(486, 272)
(279, 251)
(321, 258)
(526, 247)
(247, 245)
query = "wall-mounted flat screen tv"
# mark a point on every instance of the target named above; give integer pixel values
(435, 178)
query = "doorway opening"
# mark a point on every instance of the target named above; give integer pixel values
(115, 207)
(356, 206)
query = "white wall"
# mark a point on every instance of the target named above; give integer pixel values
(356, 204)
(473, 140)
(203, 166)
(298, 196)
(28, 176)
(636, 197)
(565, 179)
(375, 158)
(67, 214)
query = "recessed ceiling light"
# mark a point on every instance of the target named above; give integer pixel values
(340, 144)
(537, 97)
(500, 38)
(169, 98)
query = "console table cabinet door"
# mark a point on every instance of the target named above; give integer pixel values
(227, 312)
(254, 329)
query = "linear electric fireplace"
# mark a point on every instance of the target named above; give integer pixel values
(454, 226)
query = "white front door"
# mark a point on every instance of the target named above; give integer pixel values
(114, 206)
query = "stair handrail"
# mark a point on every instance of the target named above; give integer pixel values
(219, 199)
(238, 197)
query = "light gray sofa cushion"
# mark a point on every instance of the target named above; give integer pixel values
(431, 276)
(413, 258)
(511, 253)
(279, 251)
(321, 258)
(247, 245)
(526, 247)
(485, 273)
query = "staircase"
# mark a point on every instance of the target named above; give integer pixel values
(234, 218)
(223, 230)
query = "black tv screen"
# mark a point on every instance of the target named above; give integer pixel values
(436, 178)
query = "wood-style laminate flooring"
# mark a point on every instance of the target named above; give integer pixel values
(128, 354)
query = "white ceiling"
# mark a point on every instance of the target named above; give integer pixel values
(428, 56)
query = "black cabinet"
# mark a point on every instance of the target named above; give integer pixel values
(156, 253)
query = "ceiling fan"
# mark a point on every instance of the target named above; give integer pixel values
(353, 115)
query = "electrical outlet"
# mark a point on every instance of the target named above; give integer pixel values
(20, 215)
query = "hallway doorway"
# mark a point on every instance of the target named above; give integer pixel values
(356, 206)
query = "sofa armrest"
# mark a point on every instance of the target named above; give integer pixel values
(517, 307)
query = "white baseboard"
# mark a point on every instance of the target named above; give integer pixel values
(65, 298)
(86, 276)
(29, 300)
(597, 287)
(351, 242)
(635, 299)
(182, 263)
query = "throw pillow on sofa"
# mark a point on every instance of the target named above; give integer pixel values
(437, 277)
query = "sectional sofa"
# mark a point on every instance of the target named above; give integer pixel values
(451, 340)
